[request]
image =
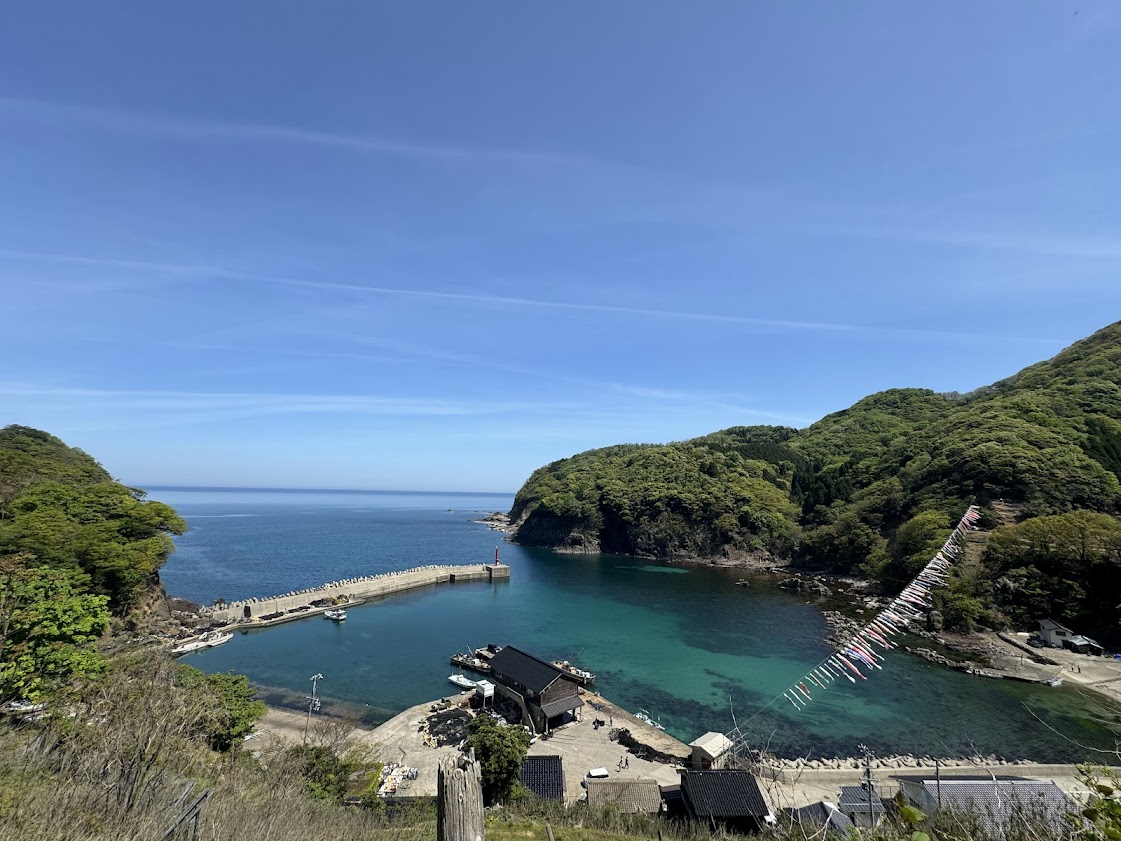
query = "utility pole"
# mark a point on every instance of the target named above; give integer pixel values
(869, 783)
(313, 702)
(938, 780)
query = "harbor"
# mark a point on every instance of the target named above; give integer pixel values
(287, 607)
(681, 652)
(330, 602)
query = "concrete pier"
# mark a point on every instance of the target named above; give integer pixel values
(251, 611)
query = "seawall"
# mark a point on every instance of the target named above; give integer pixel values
(252, 611)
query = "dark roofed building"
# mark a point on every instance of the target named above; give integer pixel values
(628, 796)
(523, 671)
(731, 798)
(999, 804)
(547, 697)
(822, 814)
(856, 805)
(544, 776)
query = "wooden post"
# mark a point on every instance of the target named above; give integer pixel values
(459, 799)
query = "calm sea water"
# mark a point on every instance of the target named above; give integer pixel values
(684, 643)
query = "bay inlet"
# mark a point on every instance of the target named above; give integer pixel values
(683, 642)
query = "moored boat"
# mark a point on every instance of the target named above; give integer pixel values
(468, 661)
(644, 717)
(207, 640)
(462, 681)
(581, 676)
(338, 615)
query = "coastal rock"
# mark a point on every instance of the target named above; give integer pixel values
(803, 585)
(841, 628)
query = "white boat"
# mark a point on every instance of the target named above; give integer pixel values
(462, 681)
(335, 615)
(1055, 681)
(644, 717)
(208, 640)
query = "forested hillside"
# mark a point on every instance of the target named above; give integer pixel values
(75, 549)
(865, 490)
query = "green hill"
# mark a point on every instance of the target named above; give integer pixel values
(75, 549)
(862, 490)
(29, 456)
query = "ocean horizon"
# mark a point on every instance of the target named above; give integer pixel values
(250, 488)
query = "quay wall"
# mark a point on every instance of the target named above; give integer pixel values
(355, 589)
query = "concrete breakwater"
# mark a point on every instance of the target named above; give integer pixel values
(352, 590)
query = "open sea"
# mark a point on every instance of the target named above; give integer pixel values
(682, 642)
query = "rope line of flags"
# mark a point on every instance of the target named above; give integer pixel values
(861, 653)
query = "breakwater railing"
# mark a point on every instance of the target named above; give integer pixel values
(352, 589)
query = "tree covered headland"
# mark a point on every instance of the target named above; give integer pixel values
(126, 737)
(76, 548)
(871, 489)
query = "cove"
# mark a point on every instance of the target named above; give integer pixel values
(682, 642)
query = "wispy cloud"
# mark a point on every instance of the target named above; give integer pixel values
(246, 404)
(132, 122)
(114, 263)
(1038, 243)
(212, 272)
(203, 273)
(480, 298)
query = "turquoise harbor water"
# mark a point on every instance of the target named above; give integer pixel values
(681, 642)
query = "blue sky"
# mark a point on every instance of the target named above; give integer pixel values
(436, 245)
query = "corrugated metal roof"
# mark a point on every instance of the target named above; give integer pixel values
(1052, 625)
(729, 793)
(1081, 640)
(544, 776)
(640, 795)
(855, 799)
(1003, 802)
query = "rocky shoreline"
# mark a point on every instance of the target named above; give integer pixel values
(496, 521)
(848, 603)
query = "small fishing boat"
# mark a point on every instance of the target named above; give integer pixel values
(581, 676)
(462, 681)
(335, 615)
(468, 661)
(207, 640)
(644, 717)
(1055, 681)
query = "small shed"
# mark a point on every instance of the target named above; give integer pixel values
(730, 798)
(821, 814)
(641, 796)
(861, 806)
(710, 751)
(1054, 634)
(544, 776)
(1084, 645)
(484, 691)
